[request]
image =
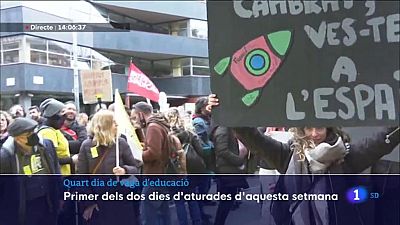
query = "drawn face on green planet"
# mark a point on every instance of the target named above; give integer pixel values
(256, 62)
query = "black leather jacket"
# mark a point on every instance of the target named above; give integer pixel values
(226, 151)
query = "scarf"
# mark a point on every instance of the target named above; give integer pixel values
(70, 132)
(318, 161)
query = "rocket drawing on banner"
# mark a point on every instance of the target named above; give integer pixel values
(256, 62)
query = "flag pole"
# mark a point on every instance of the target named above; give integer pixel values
(117, 137)
(127, 101)
(127, 98)
(116, 142)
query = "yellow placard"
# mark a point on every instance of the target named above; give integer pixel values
(27, 170)
(94, 152)
(36, 164)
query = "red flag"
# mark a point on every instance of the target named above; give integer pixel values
(140, 84)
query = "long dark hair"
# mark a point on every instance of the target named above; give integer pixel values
(200, 104)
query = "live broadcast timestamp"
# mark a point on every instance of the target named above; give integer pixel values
(57, 27)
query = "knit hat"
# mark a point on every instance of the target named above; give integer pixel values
(51, 107)
(143, 107)
(21, 125)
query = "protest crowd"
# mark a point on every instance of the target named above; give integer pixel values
(293, 87)
(53, 138)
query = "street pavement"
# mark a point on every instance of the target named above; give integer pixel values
(248, 213)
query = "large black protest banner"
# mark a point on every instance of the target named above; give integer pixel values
(315, 63)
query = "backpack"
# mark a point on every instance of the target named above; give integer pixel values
(176, 163)
(194, 162)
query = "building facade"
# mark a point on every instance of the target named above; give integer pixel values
(166, 40)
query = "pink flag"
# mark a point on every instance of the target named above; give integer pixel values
(140, 84)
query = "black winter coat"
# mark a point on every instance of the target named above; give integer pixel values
(226, 151)
(13, 188)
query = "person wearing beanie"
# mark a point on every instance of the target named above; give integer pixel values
(54, 112)
(28, 199)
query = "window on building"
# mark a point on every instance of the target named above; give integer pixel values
(200, 62)
(182, 67)
(59, 53)
(38, 57)
(60, 48)
(179, 28)
(162, 68)
(36, 43)
(59, 60)
(10, 49)
(198, 29)
(55, 53)
(11, 46)
(185, 61)
(38, 49)
(11, 56)
(204, 71)
(201, 66)
(186, 71)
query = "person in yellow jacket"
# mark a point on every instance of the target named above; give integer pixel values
(54, 112)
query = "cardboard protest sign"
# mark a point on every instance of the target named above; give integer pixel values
(96, 83)
(297, 63)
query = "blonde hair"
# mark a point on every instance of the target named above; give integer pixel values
(301, 143)
(101, 126)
